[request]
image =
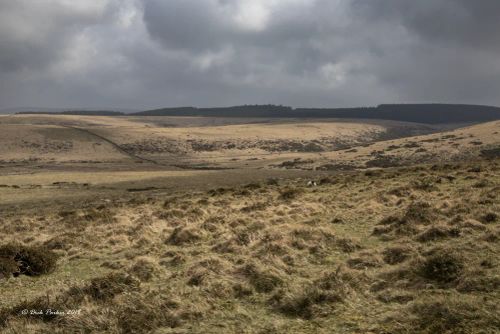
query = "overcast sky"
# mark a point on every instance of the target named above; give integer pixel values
(141, 54)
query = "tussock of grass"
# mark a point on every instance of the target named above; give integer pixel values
(182, 236)
(261, 280)
(397, 254)
(16, 259)
(310, 301)
(107, 287)
(490, 217)
(425, 184)
(8, 267)
(143, 269)
(144, 313)
(438, 232)
(290, 193)
(478, 282)
(364, 260)
(447, 315)
(419, 212)
(416, 215)
(442, 266)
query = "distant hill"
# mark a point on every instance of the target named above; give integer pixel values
(236, 111)
(74, 112)
(420, 113)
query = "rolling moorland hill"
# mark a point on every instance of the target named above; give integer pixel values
(167, 142)
(74, 138)
(464, 143)
(419, 113)
(47, 157)
(399, 235)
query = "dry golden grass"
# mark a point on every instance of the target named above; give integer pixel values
(403, 250)
(52, 143)
(460, 144)
(126, 245)
(175, 141)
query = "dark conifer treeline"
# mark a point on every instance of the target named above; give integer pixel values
(420, 113)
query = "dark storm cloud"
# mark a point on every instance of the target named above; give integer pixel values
(453, 50)
(152, 53)
(189, 24)
(460, 22)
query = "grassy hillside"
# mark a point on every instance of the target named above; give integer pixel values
(207, 225)
(171, 141)
(464, 143)
(404, 250)
(51, 143)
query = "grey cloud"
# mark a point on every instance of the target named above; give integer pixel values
(450, 53)
(153, 53)
(187, 24)
(33, 33)
(463, 23)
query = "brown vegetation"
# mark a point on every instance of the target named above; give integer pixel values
(388, 250)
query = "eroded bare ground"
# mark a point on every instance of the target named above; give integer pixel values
(401, 250)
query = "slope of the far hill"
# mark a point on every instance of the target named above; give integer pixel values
(172, 141)
(464, 143)
(419, 113)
